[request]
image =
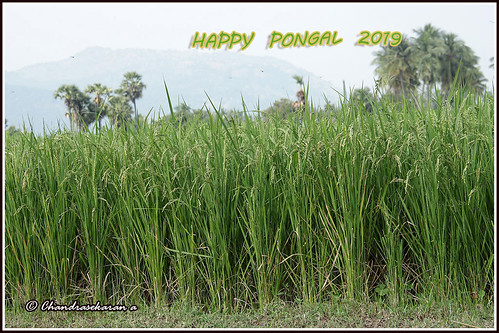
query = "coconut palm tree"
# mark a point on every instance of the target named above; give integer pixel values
(102, 93)
(132, 87)
(428, 47)
(450, 59)
(120, 111)
(396, 67)
(364, 97)
(183, 112)
(459, 60)
(76, 103)
(300, 103)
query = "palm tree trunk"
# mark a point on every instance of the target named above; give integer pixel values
(429, 92)
(136, 115)
(75, 120)
(401, 77)
(70, 113)
(422, 89)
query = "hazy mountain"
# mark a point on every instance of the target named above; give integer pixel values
(224, 76)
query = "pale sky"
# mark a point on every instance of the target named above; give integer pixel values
(43, 32)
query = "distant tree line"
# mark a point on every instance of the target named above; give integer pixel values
(434, 58)
(99, 101)
(184, 114)
(10, 130)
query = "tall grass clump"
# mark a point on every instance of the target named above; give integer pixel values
(394, 205)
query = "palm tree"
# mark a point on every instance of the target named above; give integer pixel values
(75, 102)
(364, 97)
(459, 58)
(101, 94)
(183, 112)
(428, 47)
(132, 87)
(450, 60)
(88, 113)
(300, 103)
(396, 68)
(474, 79)
(299, 80)
(119, 110)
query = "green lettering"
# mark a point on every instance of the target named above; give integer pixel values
(247, 42)
(314, 38)
(212, 40)
(326, 36)
(287, 36)
(235, 38)
(224, 39)
(334, 42)
(195, 40)
(299, 39)
(274, 38)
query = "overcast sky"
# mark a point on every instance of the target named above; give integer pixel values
(35, 33)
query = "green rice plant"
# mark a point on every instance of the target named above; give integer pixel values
(394, 205)
(46, 226)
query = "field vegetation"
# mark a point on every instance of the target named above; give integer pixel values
(393, 204)
(386, 198)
